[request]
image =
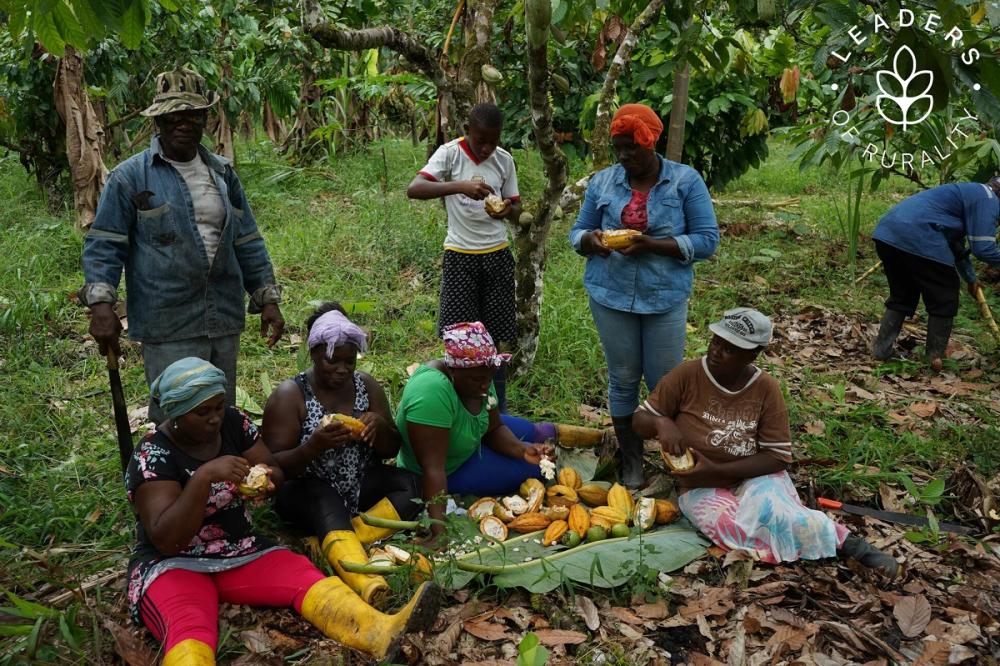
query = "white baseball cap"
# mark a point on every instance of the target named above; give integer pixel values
(744, 327)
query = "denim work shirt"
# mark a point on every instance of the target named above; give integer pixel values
(679, 207)
(145, 224)
(934, 224)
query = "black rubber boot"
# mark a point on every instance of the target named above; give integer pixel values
(629, 453)
(868, 555)
(888, 331)
(938, 334)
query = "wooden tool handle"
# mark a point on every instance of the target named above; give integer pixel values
(829, 503)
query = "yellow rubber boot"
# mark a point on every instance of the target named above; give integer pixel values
(334, 608)
(368, 534)
(344, 545)
(190, 652)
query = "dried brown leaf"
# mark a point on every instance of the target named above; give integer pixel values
(935, 652)
(132, 649)
(588, 611)
(656, 611)
(923, 409)
(485, 630)
(912, 615)
(560, 637)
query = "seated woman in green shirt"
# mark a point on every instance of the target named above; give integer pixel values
(454, 436)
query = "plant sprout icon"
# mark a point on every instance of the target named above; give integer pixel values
(904, 76)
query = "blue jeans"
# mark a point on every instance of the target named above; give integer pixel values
(637, 346)
(220, 352)
(488, 473)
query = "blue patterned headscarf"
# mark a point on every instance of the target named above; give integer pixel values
(185, 384)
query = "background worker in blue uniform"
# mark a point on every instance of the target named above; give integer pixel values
(922, 244)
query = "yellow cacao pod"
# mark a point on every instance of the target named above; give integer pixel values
(554, 532)
(600, 521)
(594, 493)
(492, 526)
(351, 423)
(666, 512)
(555, 512)
(610, 514)
(579, 519)
(645, 513)
(502, 512)
(528, 486)
(569, 477)
(529, 522)
(616, 239)
(482, 507)
(560, 495)
(681, 463)
(620, 498)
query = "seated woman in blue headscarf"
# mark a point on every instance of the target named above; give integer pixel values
(195, 540)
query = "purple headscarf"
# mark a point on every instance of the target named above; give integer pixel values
(333, 329)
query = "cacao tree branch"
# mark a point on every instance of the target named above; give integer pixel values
(531, 232)
(134, 113)
(600, 139)
(397, 40)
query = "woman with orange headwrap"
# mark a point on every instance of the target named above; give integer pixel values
(639, 287)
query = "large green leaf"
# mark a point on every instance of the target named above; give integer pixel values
(48, 34)
(133, 24)
(607, 563)
(68, 25)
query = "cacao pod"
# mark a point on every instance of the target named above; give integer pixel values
(561, 82)
(516, 504)
(620, 498)
(494, 204)
(666, 512)
(594, 493)
(597, 533)
(351, 423)
(571, 539)
(481, 508)
(536, 499)
(255, 482)
(645, 513)
(555, 512)
(579, 519)
(491, 74)
(619, 530)
(569, 477)
(559, 495)
(610, 514)
(529, 522)
(601, 521)
(381, 558)
(681, 463)
(502, 512)
(616, 239)
(528, 485)
(554, 532)
(493, 527)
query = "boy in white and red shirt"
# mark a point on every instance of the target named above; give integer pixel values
(477, 281)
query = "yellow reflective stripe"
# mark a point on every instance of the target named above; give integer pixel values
(486, 251)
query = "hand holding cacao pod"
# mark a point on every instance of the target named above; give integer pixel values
(224, 468)
(257, 482)
(593, 243)
(473, 189)
(495, 206)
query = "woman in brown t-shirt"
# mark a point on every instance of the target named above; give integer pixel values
(732, 417)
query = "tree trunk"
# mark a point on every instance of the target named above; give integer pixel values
(84, 134)
(601, 138)
(272, 125)
(531, 233)
(300, 141)
(678, 114)
(222, 136)
(477, 48)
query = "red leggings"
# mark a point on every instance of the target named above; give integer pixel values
(184, 604)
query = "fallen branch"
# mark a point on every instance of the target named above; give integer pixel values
(102, 578)
(451, 30)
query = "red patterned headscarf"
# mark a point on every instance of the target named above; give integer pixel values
(470, 345)
(640, 121)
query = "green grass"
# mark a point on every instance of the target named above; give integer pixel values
(348, 233)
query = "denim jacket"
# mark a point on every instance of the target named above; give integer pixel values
(679, 207)
(145, 224)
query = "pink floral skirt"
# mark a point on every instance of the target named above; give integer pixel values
(764, 516)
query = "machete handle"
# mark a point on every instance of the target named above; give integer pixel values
(829, 503)
(112, 359)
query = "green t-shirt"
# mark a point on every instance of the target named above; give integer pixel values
(430, 399)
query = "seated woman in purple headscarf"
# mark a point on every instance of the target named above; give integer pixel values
(332, 473)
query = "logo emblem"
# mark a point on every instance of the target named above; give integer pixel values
(903, 87)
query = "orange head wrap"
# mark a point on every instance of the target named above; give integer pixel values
(640, 121)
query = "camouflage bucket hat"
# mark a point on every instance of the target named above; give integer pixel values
(180, 90)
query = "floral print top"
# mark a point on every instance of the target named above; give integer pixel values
(225, 540)
(634, 215)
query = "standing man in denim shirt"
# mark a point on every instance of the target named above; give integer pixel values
(175, 217)
(639, 293)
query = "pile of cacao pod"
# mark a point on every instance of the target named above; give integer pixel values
(560, 510)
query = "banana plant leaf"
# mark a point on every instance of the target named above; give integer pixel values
(524, 562)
